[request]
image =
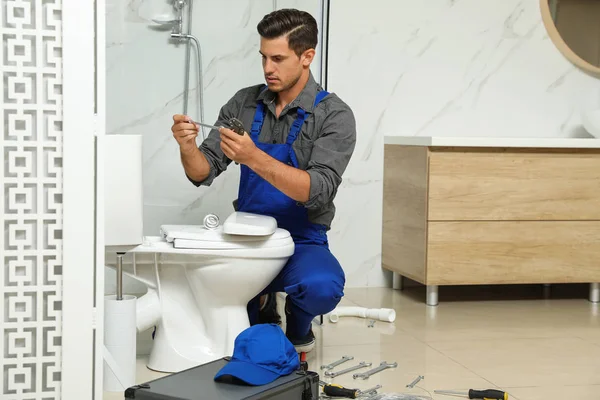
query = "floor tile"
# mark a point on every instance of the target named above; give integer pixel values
(143, 374)
(556, 392)
(527, 362)
(514, 316)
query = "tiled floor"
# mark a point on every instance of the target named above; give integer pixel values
(506, 337)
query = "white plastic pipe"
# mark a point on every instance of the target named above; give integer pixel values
(147, 310)
(379, 314)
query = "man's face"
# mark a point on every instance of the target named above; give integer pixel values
(281, 65)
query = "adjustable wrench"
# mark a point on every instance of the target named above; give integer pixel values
(345, 371)
(338, 362)
(235, 125)
(382, 366)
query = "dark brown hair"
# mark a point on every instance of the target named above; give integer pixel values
(299, 26)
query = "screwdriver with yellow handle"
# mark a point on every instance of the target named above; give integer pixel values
(333, 390)
(489, 394)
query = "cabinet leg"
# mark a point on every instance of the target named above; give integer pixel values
(547, 290)
(398, 283)
(432, 295)
(595, 292)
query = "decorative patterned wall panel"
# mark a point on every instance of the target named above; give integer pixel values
(31, 217)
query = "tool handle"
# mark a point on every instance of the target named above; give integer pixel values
(489, 394)
(340, 391)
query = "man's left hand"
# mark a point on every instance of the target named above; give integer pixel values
(238, 148)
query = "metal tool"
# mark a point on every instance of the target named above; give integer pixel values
(234, 124)
(345, 371)
(338, 362)
(333, 390)
(489, 394)
(372, 390)
(384, 365)
(413, 383)
(120, 276)
(371, 323)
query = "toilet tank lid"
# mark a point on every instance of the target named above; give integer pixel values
(248, 224)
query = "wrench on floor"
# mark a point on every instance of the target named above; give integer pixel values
(338, 362)
(345, 371)
(384, 365)
(370, 392)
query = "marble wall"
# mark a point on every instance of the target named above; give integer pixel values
(439, 68)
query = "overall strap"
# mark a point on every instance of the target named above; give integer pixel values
(297, 125)
(259, 117)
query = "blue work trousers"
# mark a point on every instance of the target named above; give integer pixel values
(314, 282)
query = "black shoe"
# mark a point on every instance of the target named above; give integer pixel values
(304, 344)
(268, 313)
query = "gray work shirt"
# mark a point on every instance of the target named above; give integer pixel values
(323, 146)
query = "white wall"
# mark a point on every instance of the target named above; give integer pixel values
(439, 68)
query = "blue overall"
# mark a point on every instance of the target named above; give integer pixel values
(312, 277)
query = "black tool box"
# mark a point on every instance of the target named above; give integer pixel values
(198, 384)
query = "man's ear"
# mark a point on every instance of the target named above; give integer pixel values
(307, 57)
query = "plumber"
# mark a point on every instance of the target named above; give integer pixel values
(292, 160)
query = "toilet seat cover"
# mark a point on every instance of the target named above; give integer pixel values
(199, 237)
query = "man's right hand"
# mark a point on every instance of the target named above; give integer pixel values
(184, 131)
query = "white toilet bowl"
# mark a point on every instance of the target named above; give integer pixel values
(197, 297)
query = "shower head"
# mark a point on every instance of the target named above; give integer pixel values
(165, 19)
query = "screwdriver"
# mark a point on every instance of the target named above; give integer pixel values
(489, 394)
(333, 390)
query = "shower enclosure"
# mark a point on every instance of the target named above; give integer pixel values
(187, 37)
(176, 20)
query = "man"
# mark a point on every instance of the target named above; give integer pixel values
(300, 142)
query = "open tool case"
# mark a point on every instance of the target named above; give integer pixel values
(198, 384)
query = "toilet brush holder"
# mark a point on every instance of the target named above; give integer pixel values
(120, 335)
(120, 332)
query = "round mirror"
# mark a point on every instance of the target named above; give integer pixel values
(574, 28)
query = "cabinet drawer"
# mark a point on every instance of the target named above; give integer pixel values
(485, 252)
(514, 185)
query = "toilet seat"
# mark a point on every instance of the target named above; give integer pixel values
(198, 237)
(240, 231)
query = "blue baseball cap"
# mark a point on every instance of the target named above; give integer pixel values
(261, 354)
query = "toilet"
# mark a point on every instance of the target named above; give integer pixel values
(200, 280)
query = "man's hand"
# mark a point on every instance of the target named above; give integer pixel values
(184, 131)
(238, 148)
(194, 162)
(293, 182)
